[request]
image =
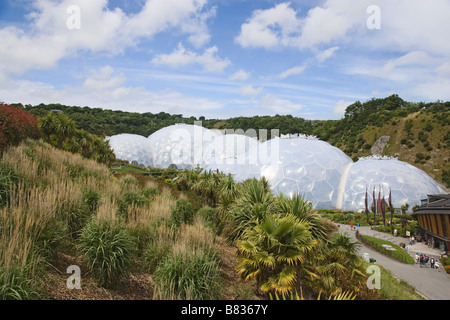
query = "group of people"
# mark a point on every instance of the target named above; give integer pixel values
(423, 260)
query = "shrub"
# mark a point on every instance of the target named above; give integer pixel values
(188, 274)
(16, 284)
(150, 192)
(108, 249)
(160, 241)
(16, 125)
(212, 219)
(126, 200)
(8, 180)
(183, 212)
(91, 198)
(78, 216)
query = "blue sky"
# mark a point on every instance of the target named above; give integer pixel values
(224, 58)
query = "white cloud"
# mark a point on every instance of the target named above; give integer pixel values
(281, 106)
(269, 28)
(103, 79)
(292, 71)
(326, 54)
(249, 91)
(444, 69)
(182, 57)
(47, 39)
(189, 16)
(340, 107)
(106, 94)
(240, 75)
(344, 21)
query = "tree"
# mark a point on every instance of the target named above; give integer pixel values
(85, 141)
(64, 127)
(296, 205)
(16, 125)
(272, 250)
(339, 267)
(404, 208)
(255, 202)
(47, 125)
(102, 151)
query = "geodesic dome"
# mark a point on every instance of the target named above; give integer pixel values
(308, 166)
(228, 149)
(323, 174)
(407, 183)
(132, 147)
(179, 144)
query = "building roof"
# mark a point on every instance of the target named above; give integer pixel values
(436, 204)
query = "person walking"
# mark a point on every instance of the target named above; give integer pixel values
(432, 263)
(437, 266)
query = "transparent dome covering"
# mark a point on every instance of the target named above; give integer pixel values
(226, 150)
(407, 183)
(132, 147)
(179, 144)
(323, 174)
(305, 165)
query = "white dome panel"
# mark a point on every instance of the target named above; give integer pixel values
(132, 147)
(407, 183)
(178, 144)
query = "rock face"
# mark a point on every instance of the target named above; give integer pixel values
(379, 145)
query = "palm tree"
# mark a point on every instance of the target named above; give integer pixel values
(85, 141)
(255, 202)
(340, 267)
(64, 127)
(296, 205)
(272, 251)
(102, 151)
(47, 125)
(208, 186)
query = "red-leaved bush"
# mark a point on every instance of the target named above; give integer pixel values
(16, 125)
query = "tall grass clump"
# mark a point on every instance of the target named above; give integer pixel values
(187, 273)
(161, 240)
(8, 181)
(108, 249)
(24, 241)
(211, 219)
(183, 212)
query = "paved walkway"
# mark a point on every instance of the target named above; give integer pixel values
(428, 282)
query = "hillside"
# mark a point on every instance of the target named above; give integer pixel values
(59, 210)
(70, 229)
(421, 138)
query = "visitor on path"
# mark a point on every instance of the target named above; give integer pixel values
(417, 257)
(437, 265)
(432, 263)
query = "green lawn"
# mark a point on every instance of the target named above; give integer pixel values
(395, 289)
(129, 170)
(399, 253)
